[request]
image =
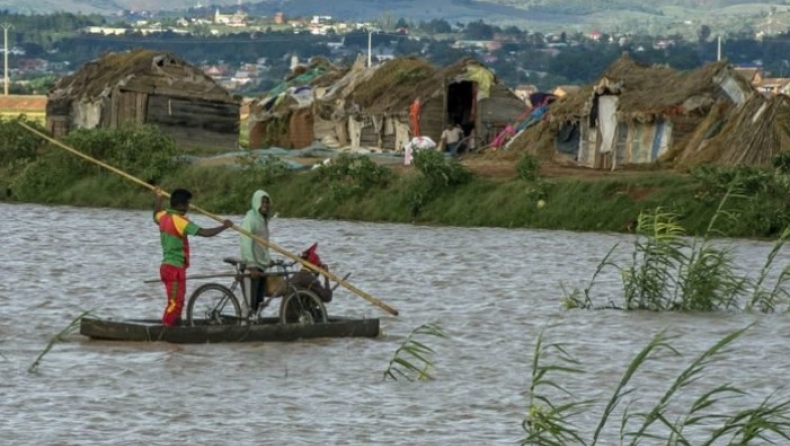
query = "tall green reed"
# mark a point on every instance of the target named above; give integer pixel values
(412, 358)
(73, 325)
(547, 422)
(670, 419)
(669, 271)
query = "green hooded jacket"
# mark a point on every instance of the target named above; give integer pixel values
(251, 252)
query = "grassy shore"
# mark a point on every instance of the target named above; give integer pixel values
(435, 191)
(571, 203)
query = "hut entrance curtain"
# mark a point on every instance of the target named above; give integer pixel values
(607, 121)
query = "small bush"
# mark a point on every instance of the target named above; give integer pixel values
(352, 176)
(781, 163)
(528, 167)
(441, 171)
(144, 152)
(263, 172)
(746, 180)
(438, 175)
(17, 144)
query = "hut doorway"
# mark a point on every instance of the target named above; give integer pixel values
(461, 105)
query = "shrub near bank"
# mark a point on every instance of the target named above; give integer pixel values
(18, 148)
(144, 152)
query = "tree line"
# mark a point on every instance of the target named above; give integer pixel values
(524, 57)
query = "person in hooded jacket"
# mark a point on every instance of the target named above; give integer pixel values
(254, 254)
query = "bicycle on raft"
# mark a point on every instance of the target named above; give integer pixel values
(217, 304)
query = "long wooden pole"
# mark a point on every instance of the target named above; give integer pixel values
(237, 228)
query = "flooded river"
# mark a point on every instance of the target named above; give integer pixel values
(492, 290)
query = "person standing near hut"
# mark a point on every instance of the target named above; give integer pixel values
(414, 117)
(174, 229)
(254, 254)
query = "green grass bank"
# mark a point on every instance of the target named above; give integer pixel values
(437, 191)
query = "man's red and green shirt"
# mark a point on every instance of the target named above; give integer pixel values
(174, 227)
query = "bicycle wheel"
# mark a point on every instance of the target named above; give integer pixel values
(213, 304)
(302, 307)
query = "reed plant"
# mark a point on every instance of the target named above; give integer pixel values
(59, 337)
(711, 418)
(669, 271)
(767, 300)
(547, 423)
(411, 360)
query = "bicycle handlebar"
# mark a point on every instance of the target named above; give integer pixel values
(283, 263)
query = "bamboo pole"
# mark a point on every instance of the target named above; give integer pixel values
(237, 228)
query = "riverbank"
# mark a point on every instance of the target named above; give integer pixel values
(493, 190)
(494, 197)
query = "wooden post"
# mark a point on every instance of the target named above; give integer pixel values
(6, 27)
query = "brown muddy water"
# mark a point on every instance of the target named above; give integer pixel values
(493, 291)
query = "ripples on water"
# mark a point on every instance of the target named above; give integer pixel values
(493, 290)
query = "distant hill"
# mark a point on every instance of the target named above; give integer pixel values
(605, 14)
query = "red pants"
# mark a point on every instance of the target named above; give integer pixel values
(175, 280)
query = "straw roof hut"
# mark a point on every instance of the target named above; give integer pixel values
(751, 134)
(145, 86)
(466, 93)
(284, 116)
(635, 113)
(369, 107)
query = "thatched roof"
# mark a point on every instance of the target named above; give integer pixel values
(139, 70)
(751, 134)
(278, 102)
(646, 90)
(395, 84)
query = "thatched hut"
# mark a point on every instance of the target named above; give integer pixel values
(751, 134)
(466, 93)
(369, 107)
(145, 87)
(284, 116)
(634, 113)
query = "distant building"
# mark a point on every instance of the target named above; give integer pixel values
(773, 85)
(104, 30)
(279, 18)
(239, 18)
(753, 75)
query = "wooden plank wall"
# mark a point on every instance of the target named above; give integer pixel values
(58, 116)
(195, 122)
(369, 136)
(432, 118)
(57, 125)
(126, 107)
(501, 107)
